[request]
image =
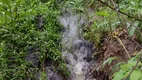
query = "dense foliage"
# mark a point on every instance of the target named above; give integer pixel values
(20, 30)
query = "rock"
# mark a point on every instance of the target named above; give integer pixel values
(52, 74)
(33, 56)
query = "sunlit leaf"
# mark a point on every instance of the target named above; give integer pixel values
(118, 75)
(136, 75)
(102, 13)
(129, 65)
(5, 2)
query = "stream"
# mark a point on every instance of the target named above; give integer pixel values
(76, 51)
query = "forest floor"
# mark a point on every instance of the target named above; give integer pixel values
(117, 47)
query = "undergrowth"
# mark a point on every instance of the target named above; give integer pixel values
(19, 31)
(115, 15)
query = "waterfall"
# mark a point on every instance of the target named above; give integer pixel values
(76, 52)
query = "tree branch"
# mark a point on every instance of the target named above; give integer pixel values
(119, 11)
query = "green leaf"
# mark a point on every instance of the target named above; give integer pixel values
(132, 28)
(136, 75)
(102, 13)
(126, 73)
(18, 2)
(1, 3)
(116, 66)
(109, 60)
(132, 31)
(5, 2)
(118, 75)
(129, 65)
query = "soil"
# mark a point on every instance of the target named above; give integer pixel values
(118, 44)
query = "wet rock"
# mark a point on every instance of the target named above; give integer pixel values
(52, 74)
(51, 71)
(33, 56)
(39, 22)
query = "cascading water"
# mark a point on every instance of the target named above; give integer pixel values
(76, 51)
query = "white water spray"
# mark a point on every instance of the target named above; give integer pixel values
(76, 51)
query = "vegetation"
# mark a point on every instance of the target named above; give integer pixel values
(116, 19)
(20, 29)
